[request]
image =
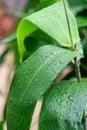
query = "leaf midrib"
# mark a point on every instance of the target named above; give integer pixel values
(68, 23)
(52, 17)
(61, 28)
(37, 73)
(35, 76)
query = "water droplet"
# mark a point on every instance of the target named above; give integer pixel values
(43, 15)
(39, 20)
(56, 8)
(61, 61)
(52, 53)
(35, 79)
(60, 117)
(25, 102)
(54, 70)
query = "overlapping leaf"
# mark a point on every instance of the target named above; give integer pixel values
(31, 80)
(52, 20)
(63, 106)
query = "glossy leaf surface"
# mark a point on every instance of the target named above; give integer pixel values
(63, 106)
(31, 80)
(52, 20)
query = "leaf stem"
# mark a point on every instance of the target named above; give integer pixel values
(69, 28)
(77, 69)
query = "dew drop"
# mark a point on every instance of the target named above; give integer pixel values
(39, 20)
(35, 79)
(43, 15)
(60, 61)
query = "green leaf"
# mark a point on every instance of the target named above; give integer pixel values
(8, 39)
(45, 3)
(77, 2)
(82, 21)
(37, 39)
(31, 80)
(78, 5)
(54, 22)
(63, 106)
(31, 6)
(1, 125)
(31, 44)
(41, 36)
(2, 56)
(34, 5)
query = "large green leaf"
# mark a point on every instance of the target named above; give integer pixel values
(31, 80)
(56, 21)
(63, 106)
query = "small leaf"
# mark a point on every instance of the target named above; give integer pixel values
(63, 106)
(8, 39)
(31, 80)
(51, 20)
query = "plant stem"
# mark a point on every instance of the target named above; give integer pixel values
(77, 69)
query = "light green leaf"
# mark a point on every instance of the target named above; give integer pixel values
(63, 106)
(80, 50)
(52, 20)
(31, 80)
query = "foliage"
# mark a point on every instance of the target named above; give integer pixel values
(65, 25)
(50, 37)
(1, 125)
(63, 106)
(31, 83)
